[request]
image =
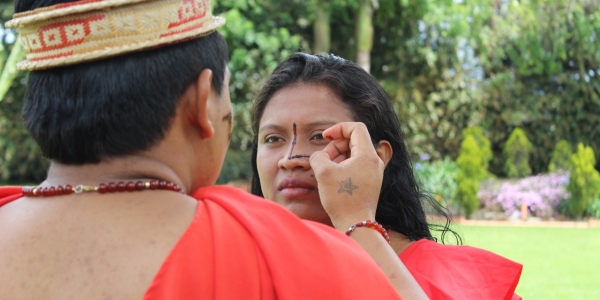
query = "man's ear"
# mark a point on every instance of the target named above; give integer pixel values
(384, 151)
(197, 97)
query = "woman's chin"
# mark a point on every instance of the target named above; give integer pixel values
(310, 212)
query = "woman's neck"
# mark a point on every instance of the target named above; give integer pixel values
(399, 242)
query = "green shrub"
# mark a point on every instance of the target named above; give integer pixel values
(593, 209)
(438, 178)
(466, 193)
(470, 163)
(21, 160)
(584, 181)
(517, 151)
(484, 144)
(561, 157)
(236, 166)
(482, 149)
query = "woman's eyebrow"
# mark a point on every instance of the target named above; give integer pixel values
(321, 123)
(276, 127)
(272, 127)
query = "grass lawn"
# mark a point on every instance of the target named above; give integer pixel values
(558, 263)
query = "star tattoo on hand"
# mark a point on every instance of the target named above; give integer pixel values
(346, 186)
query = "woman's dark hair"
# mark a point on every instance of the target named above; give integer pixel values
(115, 106)
(400, 205)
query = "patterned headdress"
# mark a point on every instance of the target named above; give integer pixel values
(85, 30)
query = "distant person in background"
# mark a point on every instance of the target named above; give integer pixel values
(129, 100)
(301, 121)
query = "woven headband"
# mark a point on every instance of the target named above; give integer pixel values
(85, 30)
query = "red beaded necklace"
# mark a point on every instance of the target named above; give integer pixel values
(102, 188)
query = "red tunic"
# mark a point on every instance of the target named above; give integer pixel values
(461, 272)
(239, 246)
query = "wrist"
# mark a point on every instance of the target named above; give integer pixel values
(342, 224)
(370, 225)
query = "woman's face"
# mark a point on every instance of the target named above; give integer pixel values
(285, 173)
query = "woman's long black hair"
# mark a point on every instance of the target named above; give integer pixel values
(401, 202)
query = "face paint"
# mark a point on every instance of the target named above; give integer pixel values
(294, 144)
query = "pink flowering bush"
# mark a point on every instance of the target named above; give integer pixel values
(542, 194)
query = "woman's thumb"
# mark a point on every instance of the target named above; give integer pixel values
(319, 162)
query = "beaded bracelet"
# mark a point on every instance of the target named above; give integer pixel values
(370, 224)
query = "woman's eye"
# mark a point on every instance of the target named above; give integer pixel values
(271, 139)
(317, 136)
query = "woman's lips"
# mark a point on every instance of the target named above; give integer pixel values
(295, 192)
(295, 188)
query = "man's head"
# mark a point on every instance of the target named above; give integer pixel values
(116, 106)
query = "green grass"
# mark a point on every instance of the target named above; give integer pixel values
(558, 263)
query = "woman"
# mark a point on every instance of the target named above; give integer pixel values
(136, 123)
(305, 95)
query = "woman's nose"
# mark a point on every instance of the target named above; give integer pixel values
(295, 158)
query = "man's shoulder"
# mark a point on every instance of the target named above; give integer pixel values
(257, 213)
(306, 259)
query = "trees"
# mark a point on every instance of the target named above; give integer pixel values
(540, 62)
(322, 27)
(20, 158)
(364, 33)
(447, 65)
(423, 54)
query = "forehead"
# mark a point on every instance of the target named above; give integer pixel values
(305, 103)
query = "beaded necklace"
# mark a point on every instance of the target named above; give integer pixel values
(111, 187)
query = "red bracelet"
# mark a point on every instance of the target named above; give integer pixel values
(370, 224)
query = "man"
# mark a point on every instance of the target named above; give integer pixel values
(130, 102)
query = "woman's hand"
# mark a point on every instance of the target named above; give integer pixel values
(349, 174)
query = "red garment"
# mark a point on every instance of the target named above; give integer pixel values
(240, 246)
(461, 272)
(9, 193)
